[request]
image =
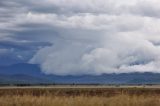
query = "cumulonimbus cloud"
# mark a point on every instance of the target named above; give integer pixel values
(91, 36)
(115, 39)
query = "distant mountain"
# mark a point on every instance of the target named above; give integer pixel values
(21, 68)
(31, 74)
(22, 73)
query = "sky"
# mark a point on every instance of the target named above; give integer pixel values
(75, 37)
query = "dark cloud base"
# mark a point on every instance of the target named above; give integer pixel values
(81, 37)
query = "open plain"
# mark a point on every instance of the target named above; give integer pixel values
(80, 96)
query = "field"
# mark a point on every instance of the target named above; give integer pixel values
(79, 96)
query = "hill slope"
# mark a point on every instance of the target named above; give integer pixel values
(31, 73)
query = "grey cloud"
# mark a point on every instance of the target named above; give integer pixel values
(23, 45)
(14, 51)
(82, 37)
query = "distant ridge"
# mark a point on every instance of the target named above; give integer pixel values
(31, 74)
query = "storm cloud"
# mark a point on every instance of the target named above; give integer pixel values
(71, 37)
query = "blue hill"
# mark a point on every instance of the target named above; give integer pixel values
(31, 74)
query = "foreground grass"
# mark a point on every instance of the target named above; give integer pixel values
(119, 100)
(80, 97)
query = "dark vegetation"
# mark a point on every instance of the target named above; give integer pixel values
(79, 91)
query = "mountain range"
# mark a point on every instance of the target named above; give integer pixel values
(24, 73)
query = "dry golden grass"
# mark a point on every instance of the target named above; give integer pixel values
(81, 97)
(120, 100)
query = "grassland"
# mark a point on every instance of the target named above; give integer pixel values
(79, 97)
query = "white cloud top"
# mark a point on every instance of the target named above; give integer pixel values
(89, 36)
